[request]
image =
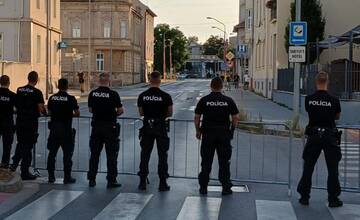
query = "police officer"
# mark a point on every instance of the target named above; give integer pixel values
(62, 107)
(323, 110)
(7, 104)
(29, 105)
(156, 106)
(105, 105)
(216, 131)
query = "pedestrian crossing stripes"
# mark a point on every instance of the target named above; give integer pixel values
(199, 208)
(130, 206)
(46, 206)
(279, 210)
(126, 206)
(348, 212)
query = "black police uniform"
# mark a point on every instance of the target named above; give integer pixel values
(216, 109)
(105, 130)
(322, 135)
(155, 104)
(28, 99)
(62, 107)
(7, 104)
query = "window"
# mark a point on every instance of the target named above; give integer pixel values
(100, 61)
(55, 52)
(123, 31)
(38, 49)
(249, 20)
(1, 46)
(38, 4)
(107, 29)
(76, 31)
(55, 8)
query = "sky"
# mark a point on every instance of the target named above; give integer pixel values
(190, 15)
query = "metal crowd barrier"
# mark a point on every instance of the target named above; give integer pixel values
(263, 152)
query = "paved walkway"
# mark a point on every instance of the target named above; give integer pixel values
(183, 202)
(257, 107)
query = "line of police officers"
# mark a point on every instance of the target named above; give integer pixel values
(216, 117)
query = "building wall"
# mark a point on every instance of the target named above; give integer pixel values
(22, 22)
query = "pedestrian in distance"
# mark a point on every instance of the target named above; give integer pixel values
(81, 81)
(62, 107)
(29, 106)
(7, 129)
(322, 135)
(155, 106)
(105, 106)
(216, 132)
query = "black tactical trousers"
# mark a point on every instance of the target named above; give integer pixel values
(61, 135)
(148, 135)
(104, 133)
(219, 141)
(27, 134)
(315, 144)
(7, 134)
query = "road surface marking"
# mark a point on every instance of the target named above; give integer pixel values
(46, 206)
(199, 208)
(270, 210)
(236, 189)
(126, 206)
(348, 212)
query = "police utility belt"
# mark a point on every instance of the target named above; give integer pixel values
(324, 131)
(156, 122)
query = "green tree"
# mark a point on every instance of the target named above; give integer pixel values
(311, 12)
(179, 47)
(193, 39)
(214, 46)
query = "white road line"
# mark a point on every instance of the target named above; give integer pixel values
(270, 210)
(348, 212)
(236, 189)
(200, 208)
(46, 206)
(125, 206)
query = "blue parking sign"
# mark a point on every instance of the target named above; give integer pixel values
(298, 33)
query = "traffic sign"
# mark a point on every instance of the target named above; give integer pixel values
(62, 45)
(230, 56)
(298, 33)
(297, 54)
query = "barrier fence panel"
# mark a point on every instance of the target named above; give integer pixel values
(262, 152)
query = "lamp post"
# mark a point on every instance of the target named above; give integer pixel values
(164, 52)
(224, 30)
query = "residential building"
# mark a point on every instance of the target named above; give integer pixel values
(265, 25)
(119, 36)
(29, 37)
(241, 52)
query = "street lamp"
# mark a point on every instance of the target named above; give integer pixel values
(224, 30)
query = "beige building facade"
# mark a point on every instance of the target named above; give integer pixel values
(265, 25)
(29, 37)
(117, 35)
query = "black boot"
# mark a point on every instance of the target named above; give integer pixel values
(163, 186)
(51, 176)
(335, 202)
(142, 184)
(203, 190)
(68, 179)
(304, 201)
(113, 184)
(28, 176)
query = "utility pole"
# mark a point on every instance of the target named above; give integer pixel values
(171, 62)
(164, 55)
(297, 69)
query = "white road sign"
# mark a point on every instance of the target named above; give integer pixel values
(297, 54)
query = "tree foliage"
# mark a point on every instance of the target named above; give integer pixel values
(311, 12)
(214, 46)
(179, 47)
(193, 39)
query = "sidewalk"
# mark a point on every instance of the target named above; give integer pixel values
(257, 107)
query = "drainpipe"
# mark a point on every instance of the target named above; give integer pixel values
(47, 51)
